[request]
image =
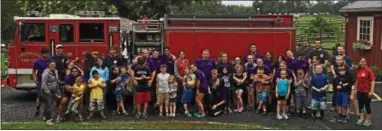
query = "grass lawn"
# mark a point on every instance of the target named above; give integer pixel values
(130, 125)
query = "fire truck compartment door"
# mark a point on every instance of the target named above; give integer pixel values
(64, 33)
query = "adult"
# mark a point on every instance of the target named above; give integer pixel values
(236, 61)
(113, 59)
(180, 64)
(156, 62)
(205, 64)
(301, 63)
(268, 60)
(365, 83)
(341, 54)
(304, 50)
(70, 79)
(38, 68)
(249, 68)
(223, 63)
(321, 54)
(89, 61)
(103, 72)
(168, 59)
(50, 90)
(290, 59)
(252, 51)
(61, 61)
(148, 62)
(202, 90)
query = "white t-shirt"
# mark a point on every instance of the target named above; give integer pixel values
(162, 79)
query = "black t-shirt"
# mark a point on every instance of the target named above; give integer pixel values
(217, 94)
(113, 76)
(321, 55)
(60, 63)
(341, 80)
(142, 84)
(113, 60)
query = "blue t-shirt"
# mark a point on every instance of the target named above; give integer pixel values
(282, 88)
(257, 55)
(319, 81)
(120, 85)
(40, 65)
(205, 66)
(203, 80)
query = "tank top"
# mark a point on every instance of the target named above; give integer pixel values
(282, 87)
(236, 84)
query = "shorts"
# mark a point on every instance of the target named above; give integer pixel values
(342, 99)
(142, 97)
(301, 101)
(187, 96)
(239, 91)
(96, 105)
(163, 98)
(263, 96)
(39, 90)
(203, 90)
(119, 96)
(281, 98)
(318, 104)
(173, 100)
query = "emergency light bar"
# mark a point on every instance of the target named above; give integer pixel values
(92, 13)
(34, 14)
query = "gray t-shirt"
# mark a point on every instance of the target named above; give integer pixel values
(172, 87)
(162, 79)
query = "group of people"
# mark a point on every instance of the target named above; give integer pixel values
(290, 84)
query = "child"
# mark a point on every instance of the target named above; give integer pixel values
(120, 90)
(226, 77)
(343, 84)
(163, 89)
(216, 96)
(282, 94)
(319, 83)
(301, 85)
(142, 75)
(189, 80)
(262, 84)
(77, 95)
(239, 78)
(96, 86)
(172, 92)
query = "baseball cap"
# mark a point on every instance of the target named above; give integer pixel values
(59, 46)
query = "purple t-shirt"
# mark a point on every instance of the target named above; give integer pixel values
(290, 62)
(156, 62)
(205, 66)
(222, 65)
(257, 55)
(249, 68)
(169, 61)
(267, 70)
(203, 80)
(301, 64)
(149, 62)
(268, 63)
(40, 65)
(70, 79)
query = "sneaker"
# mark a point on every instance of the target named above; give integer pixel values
(344, 120)
(241, 109)
(103, 116)
(80, 118)
(37, 113)
(360, 122)
(58, 119)
(200, 116)
(138, 115)
(197, 113)
(236, 110)
(144, 115)
(125, 113)
(279, 117)
(167, 115)
(304, 111)
(285, 116)
(229, 110)
(264, 113)
(188, 114)
(173, 114)
(257, 111)
(49, 122)
(66, 113)
(367, 123)
(89, 117)
(160, 115)
(114, 113)
(44, 118)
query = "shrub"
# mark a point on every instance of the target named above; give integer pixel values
(377, 72)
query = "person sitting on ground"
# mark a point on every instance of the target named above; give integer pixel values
(217, 95)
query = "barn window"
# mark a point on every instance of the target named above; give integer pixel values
(33, 32)
(365, 28)
(66, 33)
(91, 32)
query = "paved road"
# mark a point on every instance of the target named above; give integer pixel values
(20, 106)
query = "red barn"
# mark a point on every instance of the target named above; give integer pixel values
(364, 21)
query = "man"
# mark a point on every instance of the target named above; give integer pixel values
(169, 60)
(322, 55)
(223, 63)
(61, 62)
(156, 62)
(304, 50)
(253, 51)
(205, 64)
(38, 68)
(113, 59)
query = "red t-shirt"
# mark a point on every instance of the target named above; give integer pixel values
(364, 77)
(182, 64)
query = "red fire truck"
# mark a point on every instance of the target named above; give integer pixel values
(89, 32)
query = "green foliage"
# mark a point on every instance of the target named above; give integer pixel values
(377, 71)
(9, 9)
(319, 26)
(213, 8)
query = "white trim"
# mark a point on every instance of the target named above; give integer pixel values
(19, 71)
(66, 18)
(371, 18)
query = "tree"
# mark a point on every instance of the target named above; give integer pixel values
(320, 26)
(9, 9)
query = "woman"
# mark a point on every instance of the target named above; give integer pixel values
(268, 61)
(236, 61)
(50, 90)
(89, 61)
(103, 72)
(280, 59)
(179, 65)
(365, 85)
(71, 65)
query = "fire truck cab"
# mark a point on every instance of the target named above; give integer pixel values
(89, 32)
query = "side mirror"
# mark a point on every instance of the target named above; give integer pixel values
(21, 29)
